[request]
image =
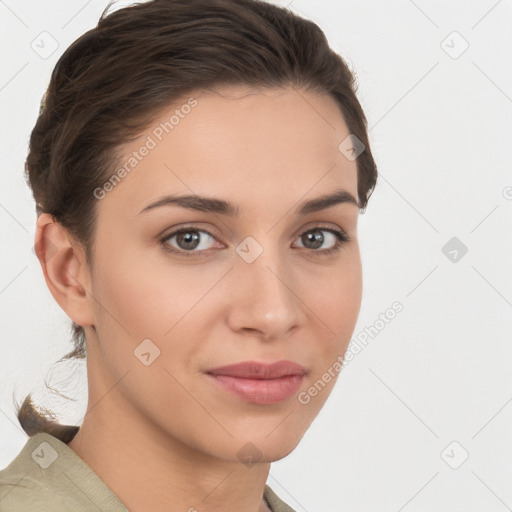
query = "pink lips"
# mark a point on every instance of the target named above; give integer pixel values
(260, 383)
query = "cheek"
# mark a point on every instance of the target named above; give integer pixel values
(127, 299)
(338, 300)
(336, 305)
(144, 294)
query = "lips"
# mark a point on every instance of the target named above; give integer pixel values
(255, 370)
(259, 383)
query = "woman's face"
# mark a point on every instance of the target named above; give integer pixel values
(266, 283)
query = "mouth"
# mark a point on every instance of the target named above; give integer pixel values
(259, 383)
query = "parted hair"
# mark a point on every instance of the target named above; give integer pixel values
(116, 78)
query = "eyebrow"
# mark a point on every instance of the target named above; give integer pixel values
(223, 207)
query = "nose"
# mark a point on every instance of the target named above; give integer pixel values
(265, 296)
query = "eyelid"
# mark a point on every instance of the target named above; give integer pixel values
(341, 235)
(320, 225)
(162, 239)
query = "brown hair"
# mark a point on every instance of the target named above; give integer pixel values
(112, 82)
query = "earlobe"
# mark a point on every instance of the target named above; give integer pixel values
(64, 268)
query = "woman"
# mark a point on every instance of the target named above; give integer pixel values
(198, 170)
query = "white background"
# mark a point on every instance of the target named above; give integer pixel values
(441, 371)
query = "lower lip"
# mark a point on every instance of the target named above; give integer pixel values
(260, 391)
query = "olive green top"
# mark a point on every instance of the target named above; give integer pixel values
(47, 475)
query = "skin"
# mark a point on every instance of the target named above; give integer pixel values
(162, 436)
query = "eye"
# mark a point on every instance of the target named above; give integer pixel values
(192, 241)
(188, 240)
(313, 239)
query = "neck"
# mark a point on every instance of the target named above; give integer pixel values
(148, 469)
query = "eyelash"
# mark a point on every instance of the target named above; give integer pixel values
(341, 239)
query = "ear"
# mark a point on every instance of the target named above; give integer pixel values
(65, 269)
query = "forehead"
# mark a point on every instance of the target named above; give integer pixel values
(246, 144)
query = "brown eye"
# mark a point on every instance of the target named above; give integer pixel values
(314, 239)
(187, 240)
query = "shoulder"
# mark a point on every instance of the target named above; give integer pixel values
(275, 503)
(47, 475)
(24, 484)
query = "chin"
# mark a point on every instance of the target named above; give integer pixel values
(279, 453)
(266, 449)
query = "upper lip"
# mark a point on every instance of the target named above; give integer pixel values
(256, 370)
